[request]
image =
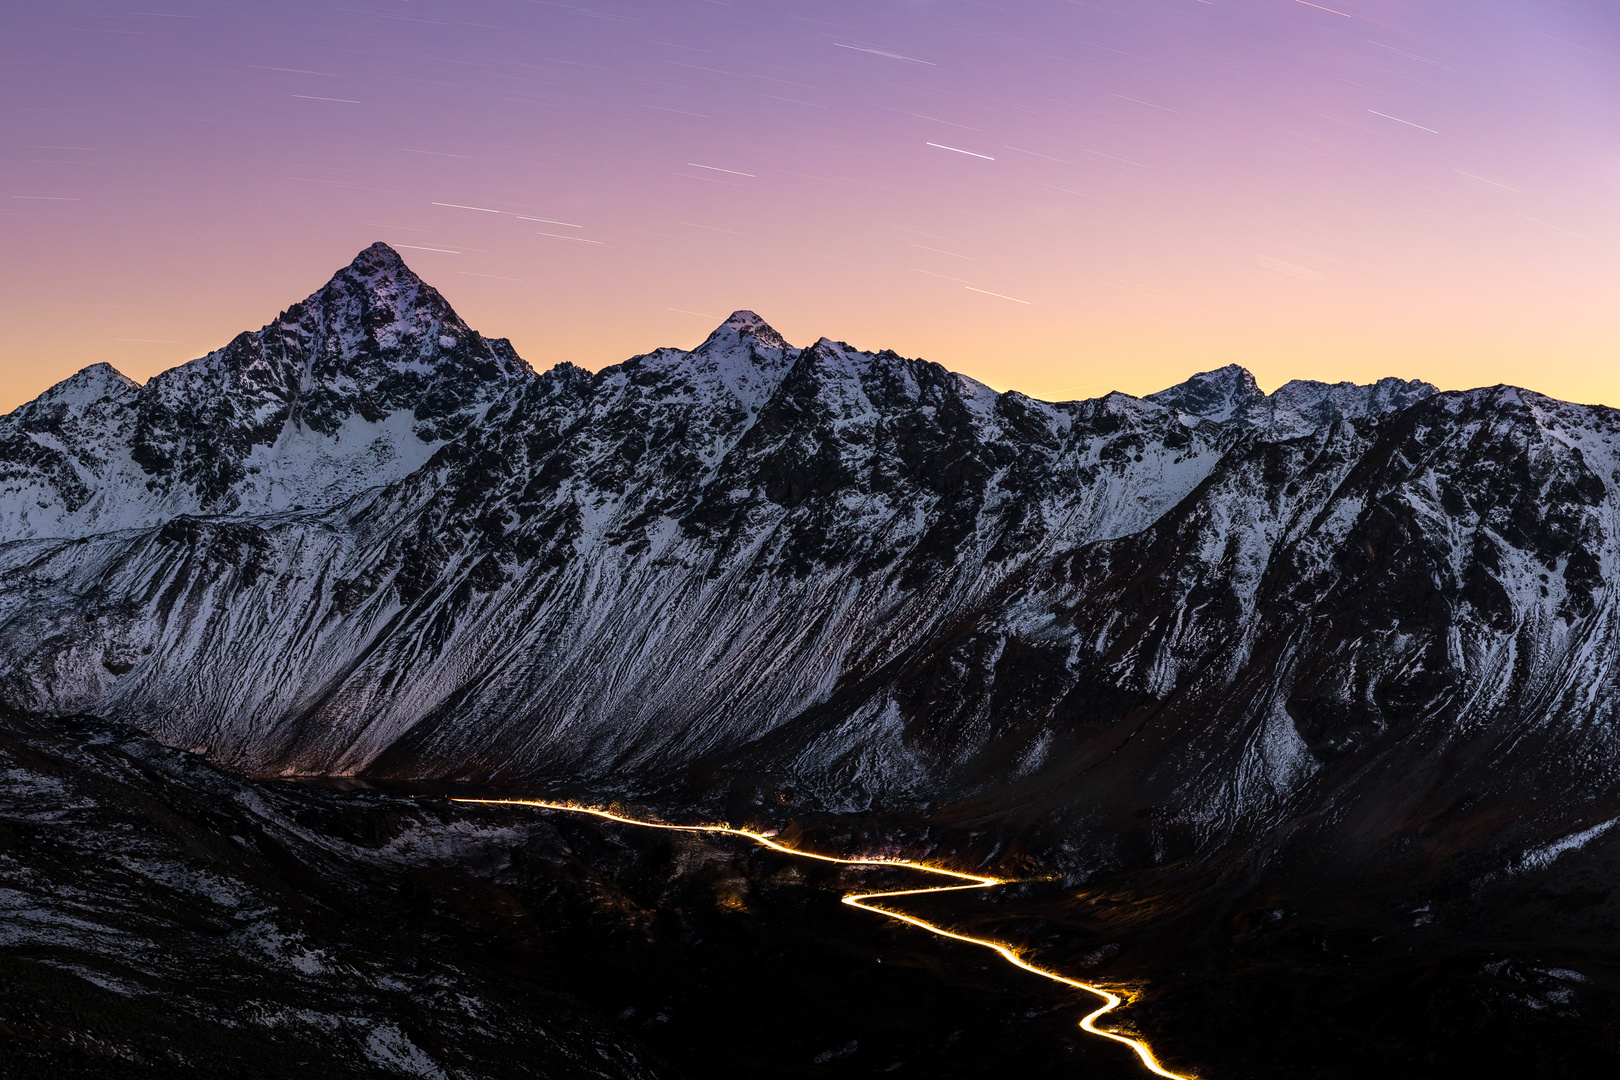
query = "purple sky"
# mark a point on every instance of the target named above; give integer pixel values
(1061, 197)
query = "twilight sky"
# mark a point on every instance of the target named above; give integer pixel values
(1057, 196)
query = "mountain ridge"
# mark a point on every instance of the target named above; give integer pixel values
(238, 429)
(353, 386)
(1183, 618)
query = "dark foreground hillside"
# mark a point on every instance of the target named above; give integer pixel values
(159, 917)
(163, 918)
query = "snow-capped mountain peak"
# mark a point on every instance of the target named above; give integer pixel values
(1230, 395)
(745, 324)
(353, 387)
(1219, 395)
(743, 355)
(98, 382)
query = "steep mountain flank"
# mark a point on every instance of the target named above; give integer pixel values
(1298, 714)
(1179, 618)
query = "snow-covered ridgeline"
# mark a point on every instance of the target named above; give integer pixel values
(353, 388)
(853, 570)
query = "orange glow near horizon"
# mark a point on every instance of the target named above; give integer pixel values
(1063, 199)
(1110, 999)
(1137, 343)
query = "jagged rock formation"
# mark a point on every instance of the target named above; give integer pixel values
(851, 572)
(354, 387)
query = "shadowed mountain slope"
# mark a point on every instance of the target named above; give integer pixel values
(1187, 617)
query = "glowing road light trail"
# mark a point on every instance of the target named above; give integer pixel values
(1111, 1000)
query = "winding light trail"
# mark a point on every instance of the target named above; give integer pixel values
(1111, 1000)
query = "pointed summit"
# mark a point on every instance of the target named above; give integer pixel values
(352, 387)
(380, 251)
(374, 340)
(378, 275)
(743, 325)
(1220, 395)
(378, 261)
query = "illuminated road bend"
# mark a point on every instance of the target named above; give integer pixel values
(1111, 1000)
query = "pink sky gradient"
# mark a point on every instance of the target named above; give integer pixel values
(1059, 197)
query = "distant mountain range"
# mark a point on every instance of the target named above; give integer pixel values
(365, 540)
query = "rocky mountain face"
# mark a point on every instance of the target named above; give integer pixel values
(1307, 699)
(393, 551)
(355, 386)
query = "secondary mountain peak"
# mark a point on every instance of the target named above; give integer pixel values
(1231, 395)
(92, 384)
(744, 355)
(1218, 395)
(742, 318)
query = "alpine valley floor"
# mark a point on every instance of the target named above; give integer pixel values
(164, 918)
